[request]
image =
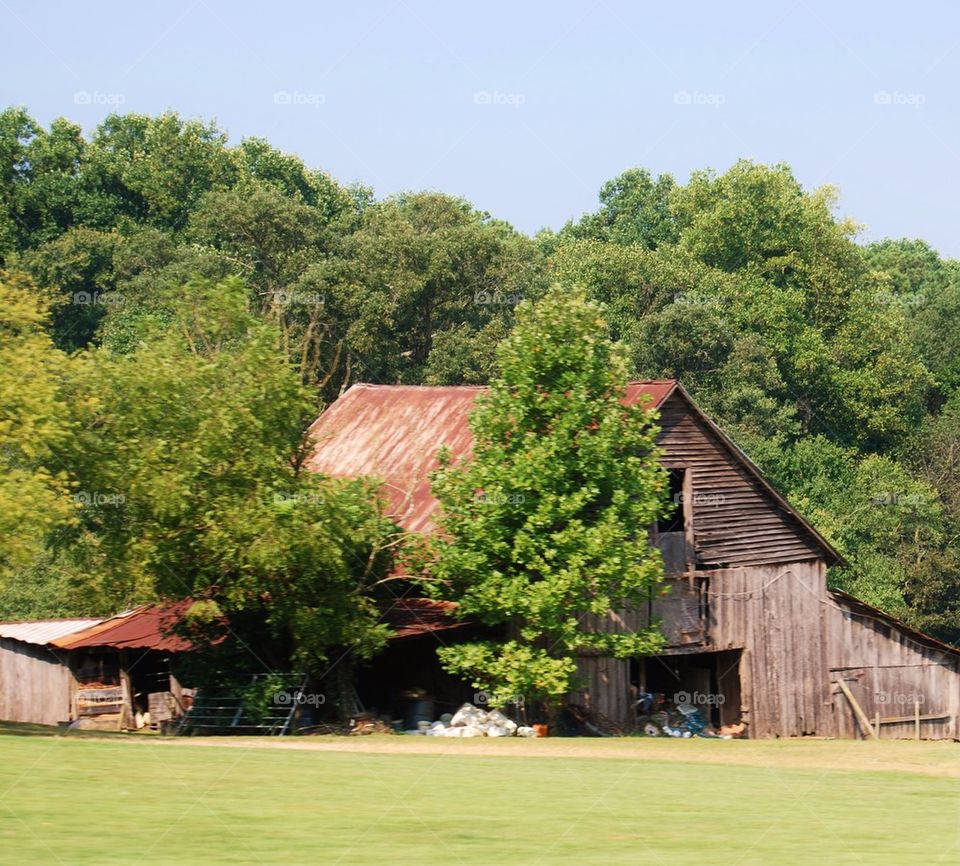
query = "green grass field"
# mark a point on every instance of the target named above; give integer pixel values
(394, 800)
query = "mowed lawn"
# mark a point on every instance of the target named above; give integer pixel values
(145, 801)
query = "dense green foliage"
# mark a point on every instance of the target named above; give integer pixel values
(547, 522)
(176, 308)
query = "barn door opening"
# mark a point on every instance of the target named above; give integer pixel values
(708, 681)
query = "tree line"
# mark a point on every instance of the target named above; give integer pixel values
(176, 309)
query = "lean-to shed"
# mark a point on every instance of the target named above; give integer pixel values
(102, 672)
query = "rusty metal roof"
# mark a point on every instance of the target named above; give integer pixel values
(393, 433)
(411, 617)
(43, 631)
(146, 627)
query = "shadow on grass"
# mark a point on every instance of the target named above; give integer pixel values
(26, 729)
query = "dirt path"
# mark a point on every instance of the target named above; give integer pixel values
(933, 758)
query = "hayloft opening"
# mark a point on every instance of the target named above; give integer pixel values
(675, 519)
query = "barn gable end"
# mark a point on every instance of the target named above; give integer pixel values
(738, 519)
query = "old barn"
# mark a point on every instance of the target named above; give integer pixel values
(100, 673)
(750, 622)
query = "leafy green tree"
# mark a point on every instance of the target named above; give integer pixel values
(548, 520)
(932, 588)
(634, 211)
(40, 190)
(34, 428)
(879, 515)
(154, 170)
(756, 258)
(187, 459)
(927, 288)
(77, 270)
(421, 266)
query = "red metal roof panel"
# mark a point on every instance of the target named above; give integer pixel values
(409, 617)
(393, 433)
(148, 627)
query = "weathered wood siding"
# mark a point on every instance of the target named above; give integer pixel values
(35, 685)
(774, 613)
(755, 585)
(735, 520)
(886, 669)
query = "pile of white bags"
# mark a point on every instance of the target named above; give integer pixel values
(471, 721)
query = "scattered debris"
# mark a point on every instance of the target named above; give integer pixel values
(365, 724)
(661, 717)
(471, 721)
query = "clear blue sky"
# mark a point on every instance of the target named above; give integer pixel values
(526, 108)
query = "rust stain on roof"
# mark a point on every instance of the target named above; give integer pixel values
(145, 627)
(393, 433)
(410, 617)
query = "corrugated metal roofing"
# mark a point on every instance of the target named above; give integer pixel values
(42, 632)
(410, 617)
(147, 627)
(393, 432)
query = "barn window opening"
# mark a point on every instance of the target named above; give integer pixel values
(675, 519)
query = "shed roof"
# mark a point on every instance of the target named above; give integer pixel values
(146, 627)
(43, 631)
(868, 611)
(411, 617)
(393, 432)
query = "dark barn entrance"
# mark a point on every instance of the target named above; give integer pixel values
(708, 680)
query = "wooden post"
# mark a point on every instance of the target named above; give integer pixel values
(690, 555)
(876, 723)
(916, 720)
(858, 710)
